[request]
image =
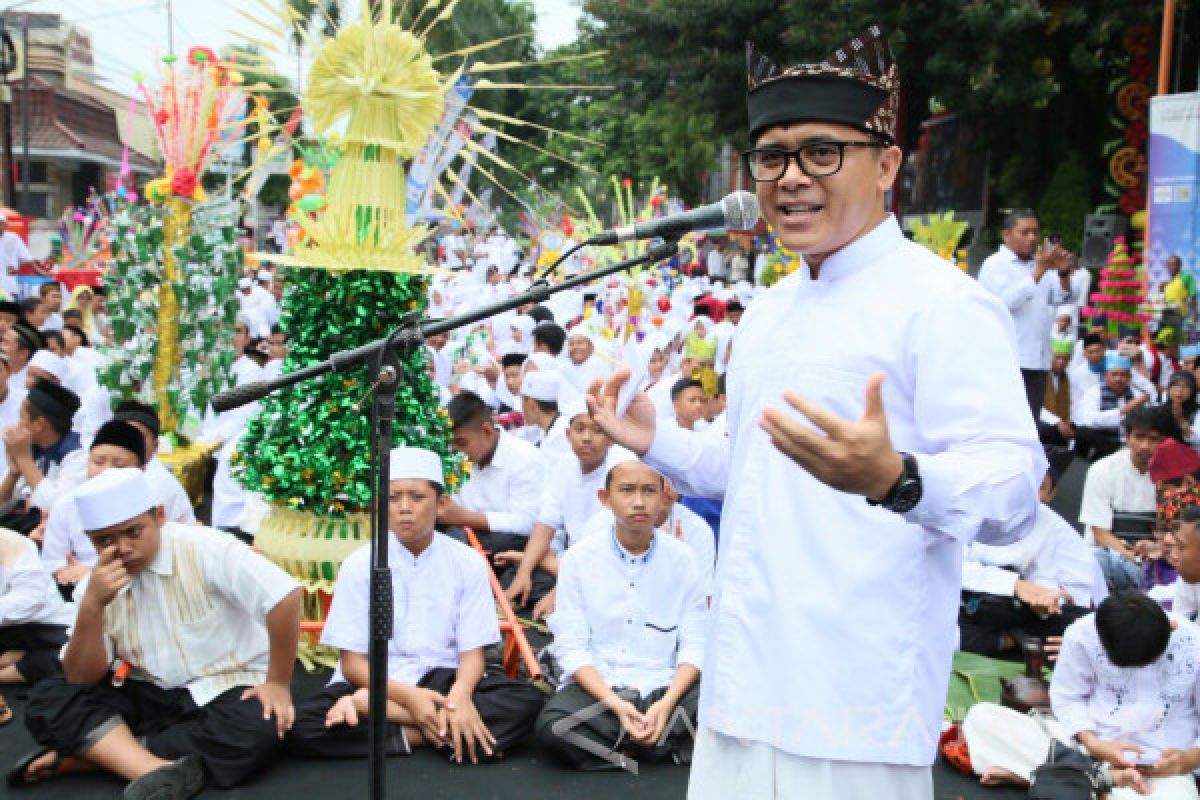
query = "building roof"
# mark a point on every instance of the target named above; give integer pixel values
(70, 124)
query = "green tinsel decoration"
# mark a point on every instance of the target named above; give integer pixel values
(308, 449)
(210, 262)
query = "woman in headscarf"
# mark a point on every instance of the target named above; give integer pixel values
(83, 299)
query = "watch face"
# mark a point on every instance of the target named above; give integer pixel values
(908, 494)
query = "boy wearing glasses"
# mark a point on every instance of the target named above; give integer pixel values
(907, 437)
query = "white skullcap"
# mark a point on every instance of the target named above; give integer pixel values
(655, 340)
(49, 362)
(415, 463)
(1065, 310)
(584, 331)
(112, 497)
(245, 283)
(265, 275)
(572, 408)
(540, 385)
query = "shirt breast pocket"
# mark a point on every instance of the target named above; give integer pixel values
(660, 640)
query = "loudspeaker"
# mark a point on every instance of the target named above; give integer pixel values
(1099, 232)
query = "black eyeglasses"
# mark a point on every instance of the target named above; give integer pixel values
(815, 159)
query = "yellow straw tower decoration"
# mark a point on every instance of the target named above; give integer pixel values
(379, 76)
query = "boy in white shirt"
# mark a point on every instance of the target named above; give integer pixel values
(208, 631)
(33, 616)
(629, 634)
(500, 499)
(439, 692)
(1126, 687)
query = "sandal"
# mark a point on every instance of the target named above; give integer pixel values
(16, 775)
(6, 713)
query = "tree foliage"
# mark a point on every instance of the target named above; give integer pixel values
(1031, 76)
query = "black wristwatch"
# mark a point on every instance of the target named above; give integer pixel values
(906, 491)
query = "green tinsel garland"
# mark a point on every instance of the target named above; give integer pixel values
(210, 263)
(308, 448)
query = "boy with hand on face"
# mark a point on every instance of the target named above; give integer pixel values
(177, 670)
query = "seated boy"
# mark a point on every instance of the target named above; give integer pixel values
(1125, 688)
(628, 630)
(33, 617)
(439, 694)
(207, 629)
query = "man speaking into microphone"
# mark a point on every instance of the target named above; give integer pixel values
(888, 432)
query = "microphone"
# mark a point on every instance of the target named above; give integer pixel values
(738, 211)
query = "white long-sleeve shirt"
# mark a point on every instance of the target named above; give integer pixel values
(1052, 556)
(1032, 305)
(1089, 414)
(442, 607)
(509, 489)
(635, 619)
(1155, 707)
(879, 588)
(28, 595)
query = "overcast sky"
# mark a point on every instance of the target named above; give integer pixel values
(129, 36)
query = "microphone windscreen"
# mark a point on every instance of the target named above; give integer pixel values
(741, 211)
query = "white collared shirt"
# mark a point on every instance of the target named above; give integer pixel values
(1033, 306)
(1052, 556)
(28, 595)
(196, 617)
(1082, 379)
(442, 606)
(1114, 484)
(634, 618)
(879, 588)
(570, 499)
(509, 489)
(1155, 707)
(683, 524)
(64, 530)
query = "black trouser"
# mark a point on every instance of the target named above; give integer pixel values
(1096, 443)
(604, 743)
(1035, 389)
(41, 644)
(229, 734)
(1051, 435)
(506, 706)
(542, 582)
(984, 619)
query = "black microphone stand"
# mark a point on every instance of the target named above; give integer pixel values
(386, 353)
